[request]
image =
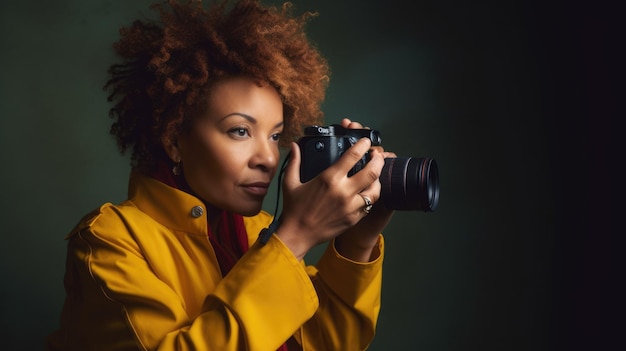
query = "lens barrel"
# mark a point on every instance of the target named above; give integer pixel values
(410, 184)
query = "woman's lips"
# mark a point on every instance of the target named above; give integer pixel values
(258, 188)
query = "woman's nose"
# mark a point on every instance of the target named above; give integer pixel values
(266, 155)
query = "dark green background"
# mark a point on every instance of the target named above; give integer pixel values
(516, 100)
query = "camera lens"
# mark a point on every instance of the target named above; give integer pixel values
(410, 184)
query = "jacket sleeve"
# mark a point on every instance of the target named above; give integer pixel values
(349, 301)
(117, 302)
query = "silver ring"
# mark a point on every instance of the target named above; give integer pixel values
(368, 204)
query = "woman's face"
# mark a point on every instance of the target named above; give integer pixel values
(231, 153)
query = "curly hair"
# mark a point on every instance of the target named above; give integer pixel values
(168, 67)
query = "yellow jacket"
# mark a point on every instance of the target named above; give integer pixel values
(143, 276)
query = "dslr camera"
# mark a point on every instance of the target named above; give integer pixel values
(408, 183)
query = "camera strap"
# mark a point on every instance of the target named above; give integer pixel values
(266, 233)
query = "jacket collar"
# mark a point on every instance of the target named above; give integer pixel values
(173, 208)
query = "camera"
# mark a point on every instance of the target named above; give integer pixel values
(408, 183)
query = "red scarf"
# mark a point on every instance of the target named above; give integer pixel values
(231, 240)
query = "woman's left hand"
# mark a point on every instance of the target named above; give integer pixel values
(358, 242)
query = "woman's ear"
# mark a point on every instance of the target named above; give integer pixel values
(171, 149)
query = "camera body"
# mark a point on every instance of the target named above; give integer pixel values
(407, 183)
(321, 146)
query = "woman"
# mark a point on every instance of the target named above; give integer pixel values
(204, 98)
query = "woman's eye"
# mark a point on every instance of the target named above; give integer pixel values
(239, 132)
(276, 136)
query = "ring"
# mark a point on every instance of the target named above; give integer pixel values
(368, 204)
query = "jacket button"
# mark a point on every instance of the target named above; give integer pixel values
(197, 211)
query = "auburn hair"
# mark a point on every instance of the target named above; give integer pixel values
(168, 66)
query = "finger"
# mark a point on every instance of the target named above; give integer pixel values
(292, 171)
(378, 148)
(347, 123)
(386, 154)
(355, 125)
(389, 155)
(351, 156)
(371, 172)
(373, 191)
(364, 203)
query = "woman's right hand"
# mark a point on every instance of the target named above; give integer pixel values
(324, 207)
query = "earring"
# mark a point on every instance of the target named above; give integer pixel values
(176, 170)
